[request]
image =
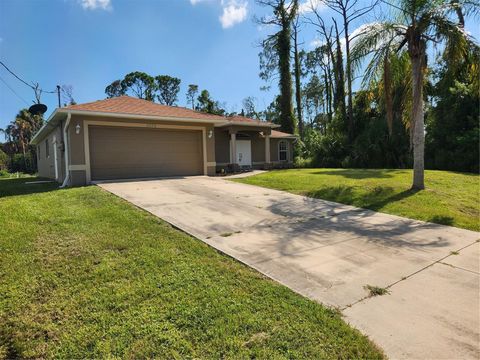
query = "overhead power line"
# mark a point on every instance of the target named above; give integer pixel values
(13, 91)
(24, 82)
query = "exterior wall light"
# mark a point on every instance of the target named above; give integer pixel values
(210, 134)
(77, 129)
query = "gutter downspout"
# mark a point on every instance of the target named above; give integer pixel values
(65, 142)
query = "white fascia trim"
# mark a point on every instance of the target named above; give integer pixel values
(48, 123)
(273, 126)
(141, 117)
(284, 137)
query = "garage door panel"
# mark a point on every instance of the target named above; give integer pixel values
(119, 152)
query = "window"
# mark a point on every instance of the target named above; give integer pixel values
(38, 152)
(283, 150)
(47, 149)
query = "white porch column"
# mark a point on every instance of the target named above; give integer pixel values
(267, 149)
(233, 148)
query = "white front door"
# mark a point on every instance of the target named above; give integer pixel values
(244, 152)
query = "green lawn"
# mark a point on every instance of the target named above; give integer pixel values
(450, 198)
(84, 274)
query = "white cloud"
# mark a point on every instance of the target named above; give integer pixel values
(234, 12)
(96, 4)
(316, 43)
(309, 5)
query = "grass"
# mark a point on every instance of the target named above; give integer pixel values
(450, 198)
(375, 290)
(84, 274)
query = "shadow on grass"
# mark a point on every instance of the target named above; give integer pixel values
(443, 220)
(381, 202)
(373, 200)
(360, 173)
(14, 187)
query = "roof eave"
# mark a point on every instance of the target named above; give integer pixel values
(49, 125)
(52, 123)
(239, 123)
(142, 117)
(285, 137)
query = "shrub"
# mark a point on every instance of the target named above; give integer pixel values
(4, 173)
(301, 162)
(23, 163)
(3, 161)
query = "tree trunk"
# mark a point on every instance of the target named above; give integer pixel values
(330, 92)
(388, 93)
(285, 83)
(348, 74)
(340, 79)
(417, 59)
(298, 90)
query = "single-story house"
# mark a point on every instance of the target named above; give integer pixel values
(125, 137)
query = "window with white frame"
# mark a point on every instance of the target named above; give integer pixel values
(283, 150)
(47, 149)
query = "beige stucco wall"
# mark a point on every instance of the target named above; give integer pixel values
(217, 146)
(222, 147)
(274, 149)
(46, 164)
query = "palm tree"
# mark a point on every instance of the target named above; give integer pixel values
(420, 23)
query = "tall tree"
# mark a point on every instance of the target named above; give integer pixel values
(141, 84)
(452, 135)
(249, 108)
(339, 72)
(314, 100)
(21, 130)
(283, 14)
(67, 95)
(192, 94)
(324, 57)
(208, 105)
(297, 73)
(168, 88)
(421, 22)
(116, 88)
(349, 10)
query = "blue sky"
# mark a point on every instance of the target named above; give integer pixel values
(62, 42)
(90, 43)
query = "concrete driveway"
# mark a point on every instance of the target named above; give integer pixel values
(329, 252)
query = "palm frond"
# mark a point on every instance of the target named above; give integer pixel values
(375, 40)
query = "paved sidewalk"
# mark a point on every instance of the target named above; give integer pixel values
(329, 252)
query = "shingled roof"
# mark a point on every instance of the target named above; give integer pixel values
(134, 106)
(126, 106)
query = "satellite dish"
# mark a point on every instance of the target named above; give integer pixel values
(38, 109)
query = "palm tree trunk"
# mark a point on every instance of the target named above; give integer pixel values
(418, 120)
(387, 85)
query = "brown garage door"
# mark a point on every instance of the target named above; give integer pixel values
(122, 153)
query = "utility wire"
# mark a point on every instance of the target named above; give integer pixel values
(13, 91)
(23, 81)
